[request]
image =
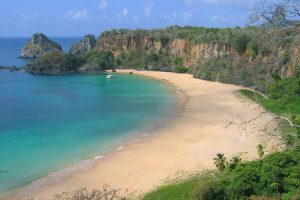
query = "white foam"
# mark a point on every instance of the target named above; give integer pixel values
(120, 148)
(98, 157)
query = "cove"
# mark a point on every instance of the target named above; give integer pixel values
(50, 122)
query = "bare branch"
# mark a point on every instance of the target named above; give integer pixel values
(282, 16)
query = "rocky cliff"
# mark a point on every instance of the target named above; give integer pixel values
(38, 45)
(85, 45)
(191, 52)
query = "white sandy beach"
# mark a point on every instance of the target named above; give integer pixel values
(189, 142)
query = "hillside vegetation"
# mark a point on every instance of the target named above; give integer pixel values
(232, 55)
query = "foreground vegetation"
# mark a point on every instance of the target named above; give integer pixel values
(275, 176)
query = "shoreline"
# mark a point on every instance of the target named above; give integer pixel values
(140, 135)
(187, 142)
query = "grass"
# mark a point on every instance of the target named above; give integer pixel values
(287, 107)
(176, 191)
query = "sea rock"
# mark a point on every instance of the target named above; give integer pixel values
(38, 45)
(11, 68)
(85, 45)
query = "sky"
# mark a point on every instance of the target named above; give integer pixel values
(81, 17)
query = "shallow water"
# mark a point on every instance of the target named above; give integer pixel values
(50, 122)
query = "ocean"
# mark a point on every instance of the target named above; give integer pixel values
(10, 49)
(48, 123)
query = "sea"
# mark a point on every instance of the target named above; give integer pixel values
(48, 123)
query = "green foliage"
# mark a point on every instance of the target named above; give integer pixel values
(234, 162)
(176, 191)
(220, 162)
(54, 62)
(209, 188)
(260, 150)
(287, 89)
(252, 49)
(229, 70)
(240, 43)
(296, 70)
(193, 34)
(98, 60)
(286, 57)
(276, 174)
(179, 69)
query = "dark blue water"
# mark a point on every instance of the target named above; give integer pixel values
(10, 49)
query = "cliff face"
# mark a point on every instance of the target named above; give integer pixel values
(189, 51)
(194, 53)
(85, 45)
(38, 45)
(118, 44)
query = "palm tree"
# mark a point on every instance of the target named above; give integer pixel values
(235, 161)
(220, 162)
(260, 150)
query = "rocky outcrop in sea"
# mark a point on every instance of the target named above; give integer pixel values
(85, 45)
(38, 45)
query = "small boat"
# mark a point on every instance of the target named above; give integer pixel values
(109, 77)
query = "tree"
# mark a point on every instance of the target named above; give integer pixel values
(235, 161)
(100, 60)
(220, 162)
(240, 43)
(252, 49)
(260, 151)
(281, 16)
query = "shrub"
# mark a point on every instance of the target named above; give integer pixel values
(100, 60)
(209, 189)
(240, 43)
(181, 69)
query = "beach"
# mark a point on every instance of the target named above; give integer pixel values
(188, 143)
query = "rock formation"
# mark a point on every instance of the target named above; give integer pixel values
(38, 45)
(85, 45)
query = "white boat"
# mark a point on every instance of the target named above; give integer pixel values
(109, 77)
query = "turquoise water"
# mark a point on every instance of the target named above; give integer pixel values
(50, 122)
(10, 49)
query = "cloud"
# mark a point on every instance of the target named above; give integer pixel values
(189, 2)
(216, 19)
(25, 16)
(136, 18)
(247, 3)
(76, 15)
(148, 8)
(123, 14)
(103, 4)
(189, 15)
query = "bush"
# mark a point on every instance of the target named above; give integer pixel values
(181, 69)
(209, 189)
(99, 60)
(252, 49)
(54, 62)
(240, 43)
